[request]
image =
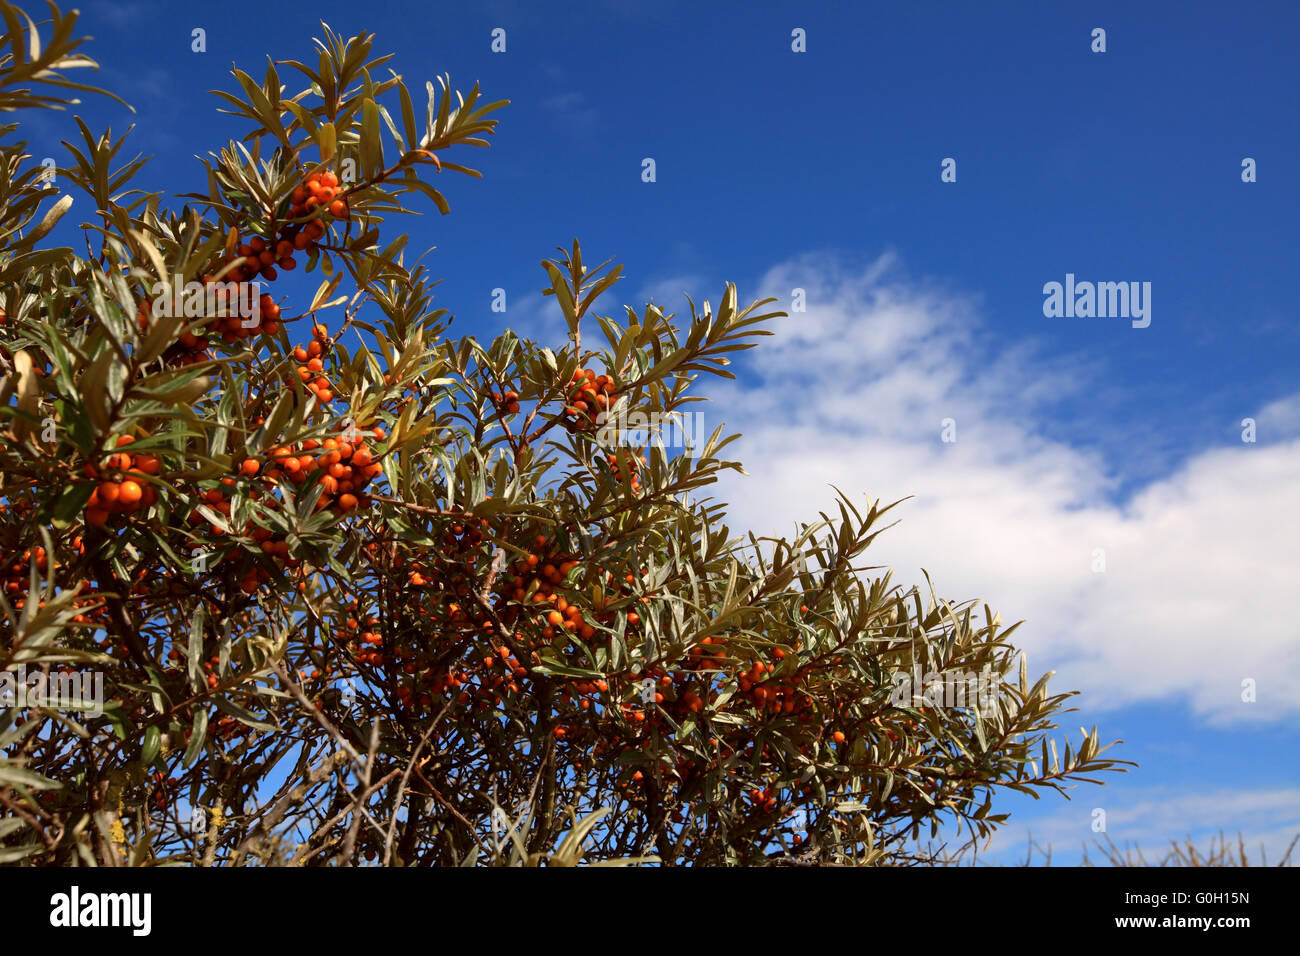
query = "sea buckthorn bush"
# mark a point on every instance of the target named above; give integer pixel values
(363, 592)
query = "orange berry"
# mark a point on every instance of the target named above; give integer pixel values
(147, 464)
(129, 492)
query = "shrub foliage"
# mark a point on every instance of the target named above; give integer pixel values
(361, 591)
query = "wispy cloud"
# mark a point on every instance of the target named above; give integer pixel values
(1280, 418)
(1150, 819)
(573, 108)
(116, 14)
(1200, 564)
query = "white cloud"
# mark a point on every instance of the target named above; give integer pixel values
(574, 108)
(119, 14)
(1201, 564)
(1279, 419)
(534, 316)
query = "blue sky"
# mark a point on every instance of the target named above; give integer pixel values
(821, 170)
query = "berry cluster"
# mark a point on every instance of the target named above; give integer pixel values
(312, 367)
(349, 466)
(215, 498)
(259, 257)
(510, 672)
(15, 576)
(508, 403)
(271, 545)
(189, 347)
(123, 487)
(534, 580)
(776, 695)
(589, 395)
(363, 639)
(230, 319)
(233, 326)
(164, 789)
(318, 193)
(764, 799)
(320, 190)
(460, 545)
(584, 692)
(635, 463)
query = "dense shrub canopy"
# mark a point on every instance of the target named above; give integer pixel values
(358, 591)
